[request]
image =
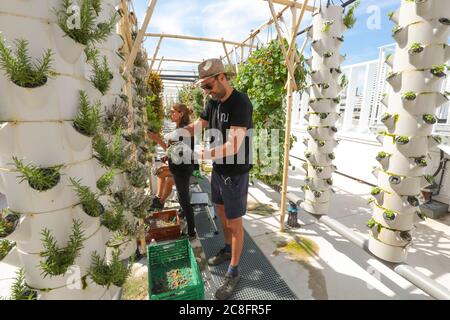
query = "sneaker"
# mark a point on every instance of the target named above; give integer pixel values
(227, 289)
(219, 258)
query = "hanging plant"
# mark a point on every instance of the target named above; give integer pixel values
(439, 70)
(327, 25)
(381, 155)
(416, 48)
(396, 29)
(58, 260)
(389, 214)
(349, 18)
(102, 75)
(113, 218)
(327, 54)
(429, 118)
(40, 179)
(331, 156)
(89, 31)
(445, 21)
(5, 247)
(104, 274)
(112, 155)
(20, 290)
(372, 223)
(375, 191)
(88, 118)
(88, 199)
(410, 96)
(19, 67)
(8, 222)
(105, 181)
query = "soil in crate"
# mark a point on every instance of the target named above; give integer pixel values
(173, 277)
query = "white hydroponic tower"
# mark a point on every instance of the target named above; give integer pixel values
(37, 127)
(418, 72)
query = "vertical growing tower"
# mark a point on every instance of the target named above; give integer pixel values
(66, 222)
(327, 38)
(418, 71)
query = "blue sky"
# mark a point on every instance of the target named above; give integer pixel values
(234, 19)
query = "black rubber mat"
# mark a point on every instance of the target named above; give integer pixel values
(259, 281)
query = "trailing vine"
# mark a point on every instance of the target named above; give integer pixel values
(263, 78)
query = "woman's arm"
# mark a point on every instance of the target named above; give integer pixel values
(157, 139)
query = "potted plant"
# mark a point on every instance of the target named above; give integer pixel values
(106, 274)
(439, 70)
(20, 290)
(105, 181)
(409, 96)
(101, 73)
(8, 222)
(88, 118)
(416, 48)
(57, 260)
(402, 140)
(113, 218)
(137, 176)
(5, 247)
(389, 214)
(429, 118)
(40, 179)
(88, 200)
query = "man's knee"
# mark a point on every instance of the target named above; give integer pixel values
(235, 224)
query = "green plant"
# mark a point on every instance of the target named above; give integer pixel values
(396, 29)
(104, 274)
(8, 222)
(20, 69)
(389, 214)
(40, 179)
(114, 218)
(308, 154)
(343, 82)
(88, 118)
(331, 156)
(137, 176)
(105, 181)
(20, 290)
(391, 14)
(88, 199)
(349, 18)
(445, 21)
(415, 48)
(381, 155)
(263, 77)
(326, 26)
(429, 118)
(410, 96)
(58, 260)
(341, 38)
(329, 181)
(321, 143)
(327, 54)
(402, 140)
(89, 31)
(439, 70)
(375, 191)
(102, 75)
(421, 161)
(372, 222)
(116, 117)
(114, 154)
(5, 247)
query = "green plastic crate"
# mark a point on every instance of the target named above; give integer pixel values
(166, 257)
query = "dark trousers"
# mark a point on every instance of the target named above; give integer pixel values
(182, 184)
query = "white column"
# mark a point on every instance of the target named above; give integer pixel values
(295, 109)
(350, 99)
(303, 109)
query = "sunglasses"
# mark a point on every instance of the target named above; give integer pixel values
(209, 86)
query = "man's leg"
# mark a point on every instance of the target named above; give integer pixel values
(220, 209)
(167, 189)
(237, 239)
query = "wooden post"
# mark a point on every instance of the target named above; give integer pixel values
(140, 36)
(280, 39)
(156, 53)
(159, 65)
(226, 54)
(290, 89)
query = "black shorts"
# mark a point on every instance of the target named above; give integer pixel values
(231, 191)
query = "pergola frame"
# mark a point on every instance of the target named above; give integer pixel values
(291, 58)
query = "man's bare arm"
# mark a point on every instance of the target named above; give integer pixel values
(196, 126)
(236, 136)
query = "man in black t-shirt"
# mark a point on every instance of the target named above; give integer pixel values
(228, 116)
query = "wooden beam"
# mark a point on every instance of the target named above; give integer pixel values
(128, 40)
(264, 25)
(159, 65)
(179, 60)
(184, 37)
(236, 59)
(280, 39)
(156, 53)
(226, 54)
(140, 36)
(181, 71)
(294, 4)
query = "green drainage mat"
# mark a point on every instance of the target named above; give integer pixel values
(259, 281)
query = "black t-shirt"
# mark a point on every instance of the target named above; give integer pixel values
(236, 111)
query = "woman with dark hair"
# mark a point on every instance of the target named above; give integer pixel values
(181, 170)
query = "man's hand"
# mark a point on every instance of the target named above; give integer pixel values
(164, 159)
